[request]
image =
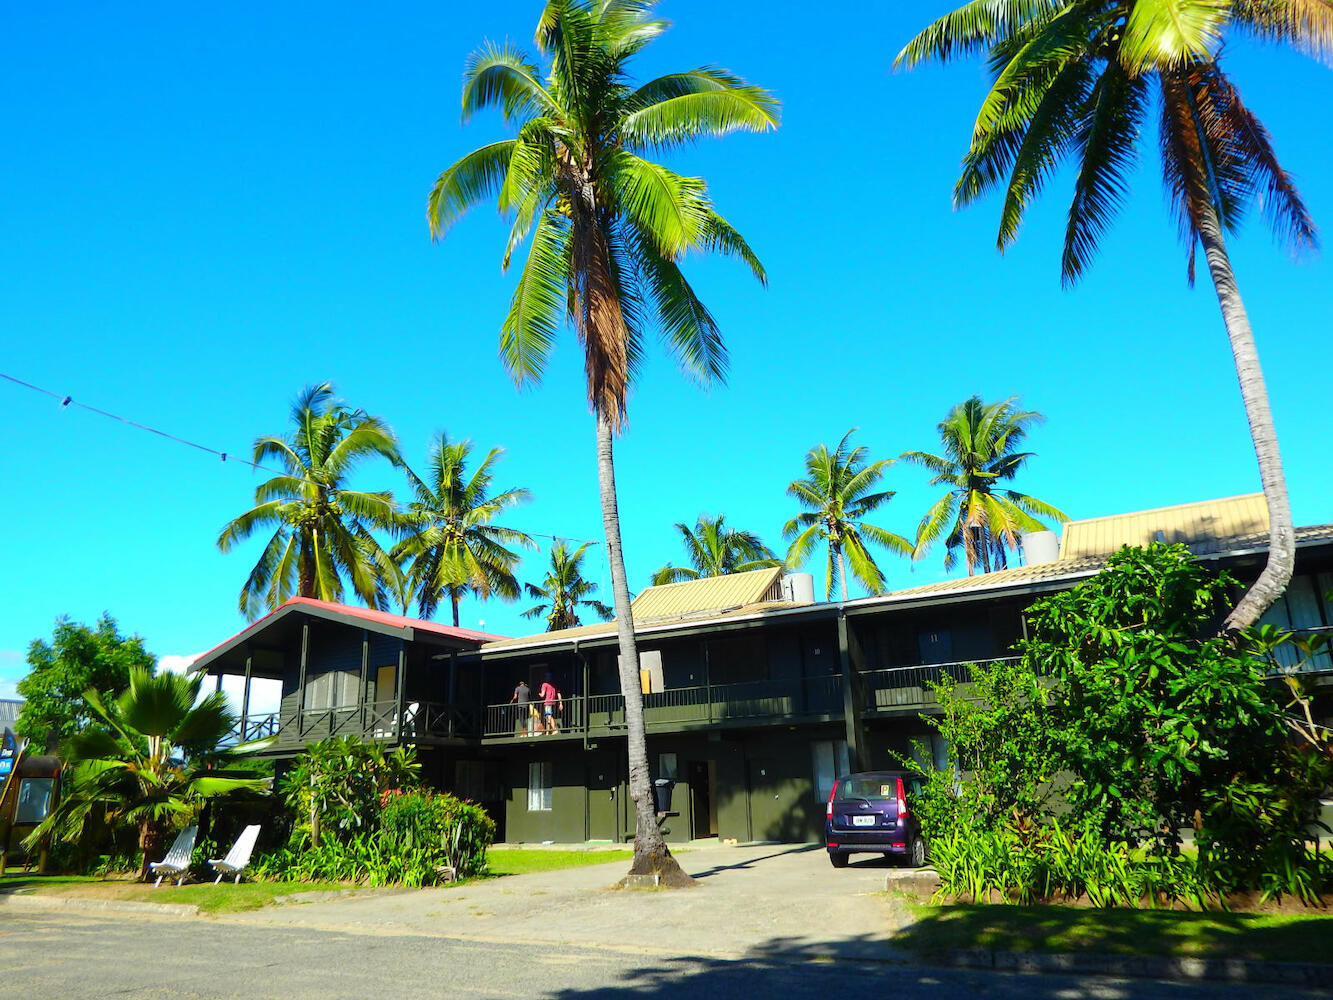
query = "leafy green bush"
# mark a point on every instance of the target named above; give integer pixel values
(411, 838)
(334, 787)
(1128, 719)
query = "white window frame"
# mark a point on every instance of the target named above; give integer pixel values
(539, 786)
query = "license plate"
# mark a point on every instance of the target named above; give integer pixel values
(863, 821)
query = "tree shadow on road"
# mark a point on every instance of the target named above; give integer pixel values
(793, 969)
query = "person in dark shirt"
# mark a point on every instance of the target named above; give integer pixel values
(522, 696)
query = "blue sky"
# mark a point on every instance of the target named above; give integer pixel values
(207, 208)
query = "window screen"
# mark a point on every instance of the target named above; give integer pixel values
(539, 786)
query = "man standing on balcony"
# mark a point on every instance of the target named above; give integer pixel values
(551, 697)
(522, 695)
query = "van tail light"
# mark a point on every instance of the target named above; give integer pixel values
(902, 801)
(832, 792)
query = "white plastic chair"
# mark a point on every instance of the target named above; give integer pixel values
(177, 862)
(238, 857)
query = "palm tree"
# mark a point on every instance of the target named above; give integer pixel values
(980, 443)
(152, 761)
(322, 529)
(1078, 79)
(836, 495)
(564, 590)
(607, 229)
(716, 550)
(452, 547)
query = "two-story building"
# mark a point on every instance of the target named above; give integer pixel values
(755, 695)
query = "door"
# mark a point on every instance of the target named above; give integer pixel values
(603, 784)
(703, 805)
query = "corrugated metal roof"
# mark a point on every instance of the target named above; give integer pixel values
(1207, 526)
(9, 711)
(675, 600)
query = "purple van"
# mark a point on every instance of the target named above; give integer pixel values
(868, 814)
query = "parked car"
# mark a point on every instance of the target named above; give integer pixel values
(868, 814)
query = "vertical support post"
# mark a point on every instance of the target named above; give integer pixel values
(218, 688)
(245, 694)
(452, 691)
(365, 674)
(300, 684)
(584, 693)
(401, 689)
(849, 650)
(708, 679)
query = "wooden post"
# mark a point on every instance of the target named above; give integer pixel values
(452, 690)
(300, 684)
(245, 693)
(847, 650)
(365, 673)
(708, 679)
(401, 686)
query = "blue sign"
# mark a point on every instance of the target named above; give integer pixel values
(9, 749)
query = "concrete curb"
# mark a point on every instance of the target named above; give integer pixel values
(78, 904)
(1235, 970)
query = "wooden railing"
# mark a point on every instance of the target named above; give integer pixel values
(908, 687)
(372, 721)
(605, 713)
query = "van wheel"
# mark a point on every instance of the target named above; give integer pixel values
(917, 857)
(837, 860)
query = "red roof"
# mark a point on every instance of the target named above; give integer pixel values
(396, 621)
(351, 611)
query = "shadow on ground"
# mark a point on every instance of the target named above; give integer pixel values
(1302, 937)
(787, 969)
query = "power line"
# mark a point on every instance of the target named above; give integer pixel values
(66, 401)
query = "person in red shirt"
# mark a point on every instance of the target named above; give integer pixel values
(551, 702)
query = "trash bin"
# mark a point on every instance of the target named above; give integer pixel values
(662, 789)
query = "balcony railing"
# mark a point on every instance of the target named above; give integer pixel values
(373, 721)
(910, 687)
(605, 713)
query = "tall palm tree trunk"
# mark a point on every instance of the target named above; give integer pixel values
(1281, 535)
(650, 850)
(453, 599)
(842, 571)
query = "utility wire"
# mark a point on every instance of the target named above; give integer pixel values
(68, 401)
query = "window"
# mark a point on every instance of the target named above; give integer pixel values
(334, 689)
(831, 762)
(34, 800)
(666, 766)
(539, 786)
(477, 780)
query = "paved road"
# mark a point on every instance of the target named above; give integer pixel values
(79, 957)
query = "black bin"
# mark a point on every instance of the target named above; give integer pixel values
(662, 789)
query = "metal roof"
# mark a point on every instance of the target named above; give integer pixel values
(9, 711)
(1207, 526)
(675, 600)
(383, 622)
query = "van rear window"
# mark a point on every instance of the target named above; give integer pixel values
(874, 789)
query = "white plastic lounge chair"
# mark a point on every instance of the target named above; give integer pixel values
(238, 857)
(177, 862)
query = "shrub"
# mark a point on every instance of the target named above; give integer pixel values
(335, 786)
(411, 838)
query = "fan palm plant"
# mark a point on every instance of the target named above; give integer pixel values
(837, 496)
(322, 531)
(607, 229)
(452, 547)
(713, 549)
(151, 759)
(1077, 79)
(980, 442)
(564, 590)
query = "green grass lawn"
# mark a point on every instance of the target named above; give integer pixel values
(226, 897)
(1279, 937)
(522, 862)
